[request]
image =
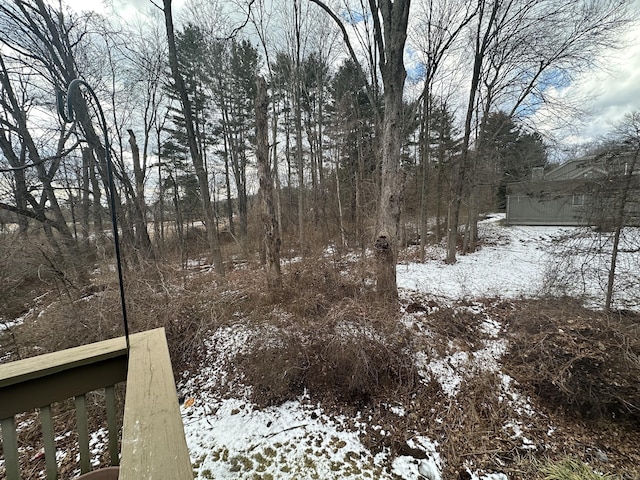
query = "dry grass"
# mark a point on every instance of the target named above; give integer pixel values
(30, 267)
(353, 363)
(156, 296)
(325, 333)
(580, 360)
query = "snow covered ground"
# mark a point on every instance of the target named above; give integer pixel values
(231, 438)
(526, 261)
(513, 267)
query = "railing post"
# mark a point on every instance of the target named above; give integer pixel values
(83, 433)
(10, 448)
(112, 425)
(48, 438)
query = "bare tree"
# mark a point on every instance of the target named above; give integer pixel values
(196, 157)
(438, 27)
(297, 45)
(629, 133)
(521, 47)
(268, 216)
(15, 126)
(488, 14)
(390, 23)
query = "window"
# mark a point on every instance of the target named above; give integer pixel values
(578, 200)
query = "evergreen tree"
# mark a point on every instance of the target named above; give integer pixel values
(193, 52)
(509, 151)
(353, 131)
(234, 68)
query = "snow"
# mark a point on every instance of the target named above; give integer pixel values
(527, 261)
(98, 441)
(514, 267)
(409, 468)
(231, 438)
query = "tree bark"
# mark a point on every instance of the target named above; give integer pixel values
(140, 207)
(619, 225)
(391, 41)
(462, 163)
(425, 141)
(267, 208)
(298, 125)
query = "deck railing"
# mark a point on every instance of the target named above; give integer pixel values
(153, 442)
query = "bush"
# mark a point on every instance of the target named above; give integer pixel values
(353, 360)
(327, 334)
(579, 359)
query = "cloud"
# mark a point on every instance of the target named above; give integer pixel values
(603, 96)
(613, 92)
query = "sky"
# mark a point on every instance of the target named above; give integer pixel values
(605, 95)
(609, 93)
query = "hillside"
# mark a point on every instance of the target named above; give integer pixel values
(481, 374)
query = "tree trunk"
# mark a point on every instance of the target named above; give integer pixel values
(395, 17)
(140, 208)
(96, 206)
(274, 160)
(619, 225)
(20, 194)
(460, 172)
(267, 208)
(343, 237)
(298, 126)
(203, 181)
(85, 205)
(425, 135)
(227, 182)
(359, 174)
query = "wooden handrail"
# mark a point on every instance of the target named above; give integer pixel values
(53, 377)
(153, 441)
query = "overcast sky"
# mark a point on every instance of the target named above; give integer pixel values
(610, 93)
(607, 94)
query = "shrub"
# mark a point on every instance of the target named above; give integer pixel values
(578, 359)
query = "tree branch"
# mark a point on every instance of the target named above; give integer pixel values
(352, 53)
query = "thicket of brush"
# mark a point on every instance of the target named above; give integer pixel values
(578, 359)
(325, 333)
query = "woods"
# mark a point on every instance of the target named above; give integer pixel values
(378, 236)
(387, 123)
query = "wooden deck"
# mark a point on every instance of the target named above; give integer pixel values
(153, 442)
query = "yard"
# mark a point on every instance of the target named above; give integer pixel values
(483, 374)
(466, 416)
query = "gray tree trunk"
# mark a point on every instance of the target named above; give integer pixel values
(391, 40)
(267, 205)
(619, 225)
(143, 241)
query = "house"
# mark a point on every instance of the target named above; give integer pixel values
(582, 191)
